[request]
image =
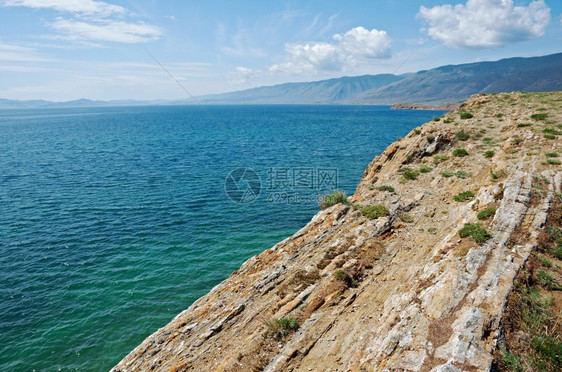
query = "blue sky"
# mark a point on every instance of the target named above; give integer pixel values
(68, 49)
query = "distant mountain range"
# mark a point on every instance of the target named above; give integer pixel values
(446, 84)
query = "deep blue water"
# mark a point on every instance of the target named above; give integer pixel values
(113, 220)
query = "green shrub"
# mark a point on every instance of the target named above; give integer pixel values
(549, 136)
(465, 115)
(409, 173)
(550, 349)
(522, 125)
(447, 174)
(545, 262)
(431, 230)
(375, 211)
(436, 118)
(447, 121)
(463, 175)
(417, 131)
(511, 362)
(556, 252)
(553, 161)
(546, 280)
(463, 136)
(541, 116)
(489, 154)
(460, 152)
(425, 169)
(486, 213)
(475, 231)
(551, 131)
(464, 196)
(551, 154)
(278, 328)
(385, 188)
(439, 159)
(345, 277)
(499, 115)
(333, 199)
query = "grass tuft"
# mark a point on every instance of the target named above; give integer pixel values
(375, 211)
(475, 231)
(464, 196)
(486, 213)
(460, 152)
(333, 199)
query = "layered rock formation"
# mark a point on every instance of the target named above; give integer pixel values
(403, 291)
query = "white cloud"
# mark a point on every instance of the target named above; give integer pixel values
(241, 75)
(115, 31)
(485, 23)
(16, 53)
(348, 50)
(73, 6)
(92, 21)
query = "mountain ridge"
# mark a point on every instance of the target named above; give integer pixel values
(437, 86)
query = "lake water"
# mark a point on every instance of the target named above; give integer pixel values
(113, 220)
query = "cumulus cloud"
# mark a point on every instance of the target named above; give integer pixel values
(74, 6)
(92, 21)
(485, 23)
(354, 47)
(241, 75)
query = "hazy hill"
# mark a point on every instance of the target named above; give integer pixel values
(446, 84)
(317, 92)
(457, 82)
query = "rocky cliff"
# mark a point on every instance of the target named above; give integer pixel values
(419, 282)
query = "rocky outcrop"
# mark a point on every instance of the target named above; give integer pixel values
(418, 106)
(399, 292)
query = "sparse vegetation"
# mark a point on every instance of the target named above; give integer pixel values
(551, 131)
(439, 159)
(462, 136)
(278, 328)
(460, 152)
(486, 213)
(464, 196)
(417, 131)
(384, 188)
(374, 211)
(497, 175)
(447, 121)
(425, 169)
(345, 277)
(333, 199)
(545, 261)
(541, 116)
(475, 231)
(409, 173)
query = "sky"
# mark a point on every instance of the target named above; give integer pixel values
(61, 50)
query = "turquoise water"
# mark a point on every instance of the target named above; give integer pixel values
(113, 220)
